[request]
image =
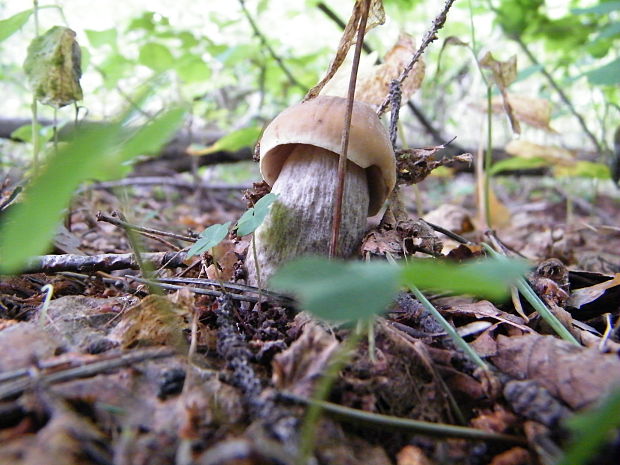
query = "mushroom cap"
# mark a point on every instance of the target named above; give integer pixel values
(320, 122)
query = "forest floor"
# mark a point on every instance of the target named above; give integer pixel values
(111, 373)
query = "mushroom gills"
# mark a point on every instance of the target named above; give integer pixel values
(300, 220)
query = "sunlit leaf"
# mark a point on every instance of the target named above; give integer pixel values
(100, 38)
(255, 216)
(339, 291)
(209, 238)
(193, 69)
(24, 133)
(11, 25)
(231, 142)
(584, 169)
(156, 56)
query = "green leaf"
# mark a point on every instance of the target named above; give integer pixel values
(209, 238)
(114, 68)
(11, 25)
(193, 69)
(518, 163)
(100, 38)
(255, 216)
(24, 133)
(606, 75)
(591, 429)
(612, 29)
(336, 290)
(233, 141)
(156, 56)
(601, 8)
(584, 169)
(486, 278)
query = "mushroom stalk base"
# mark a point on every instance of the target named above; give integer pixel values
(300, 220)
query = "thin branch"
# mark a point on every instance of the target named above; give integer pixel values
(265, 44)
(560, 92)
(161, 181)
(342, 161)
(125, 225)
(429, 37)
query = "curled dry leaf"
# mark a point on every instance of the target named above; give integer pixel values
(531, 110)
(415, 165)
(376, 16)
(577, 376)
(555, 155)
(504, 73)
(299, 367)
(375, 87)
(452, 217)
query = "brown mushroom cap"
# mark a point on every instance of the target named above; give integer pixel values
(319, 122)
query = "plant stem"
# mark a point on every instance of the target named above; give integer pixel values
(342, 161)
(257, 267)
(488, 159)
(35, 111)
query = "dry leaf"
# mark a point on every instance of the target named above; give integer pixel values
(412, 455)
(451, 217)
(376, 16)
(504, 73)
(526, 149)
(531, 110)
(578, 376)
(375, 87)
(586, 295)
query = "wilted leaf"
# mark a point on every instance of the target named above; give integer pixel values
(375, 87)
(376, 17)
(585, 295)
(554, 155)
(336, 290)
(53, 67)
(209, 238)
(504, 73)
(231, 142)
(11, 25)
(533, 111)
(255, 216)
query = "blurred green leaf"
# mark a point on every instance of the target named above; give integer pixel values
(336, 290)
(584, 169)
(156, 56)
(601, 8)
(100, 38)
(233, 141)
(518, 163)
(11, 25)
(591, 429)
(606, 75)
(94, 151)
(114, 68)
(24, 133)
(486, 278)
(192, 68)
(209, 238)
(610, 30)
(255, 216)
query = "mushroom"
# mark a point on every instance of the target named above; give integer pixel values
(299, 159)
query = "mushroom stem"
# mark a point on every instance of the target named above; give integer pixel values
(300, 220)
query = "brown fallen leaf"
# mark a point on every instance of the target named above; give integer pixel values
(578, 376)
(531, 110)
(585, 295)
(412, 455)
(504, 73)
(514, 456)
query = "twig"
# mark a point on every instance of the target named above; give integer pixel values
(273, 54)
(342, 160)
(200, 290)
(430, 36)
(160, 181)
(560, 92)
(233, 286)
(448, 233)
(102, 262)
(125, 225)
(356, 416)
(334, 17)
(22, 382)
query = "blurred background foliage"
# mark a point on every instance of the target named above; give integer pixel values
(236, 64)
